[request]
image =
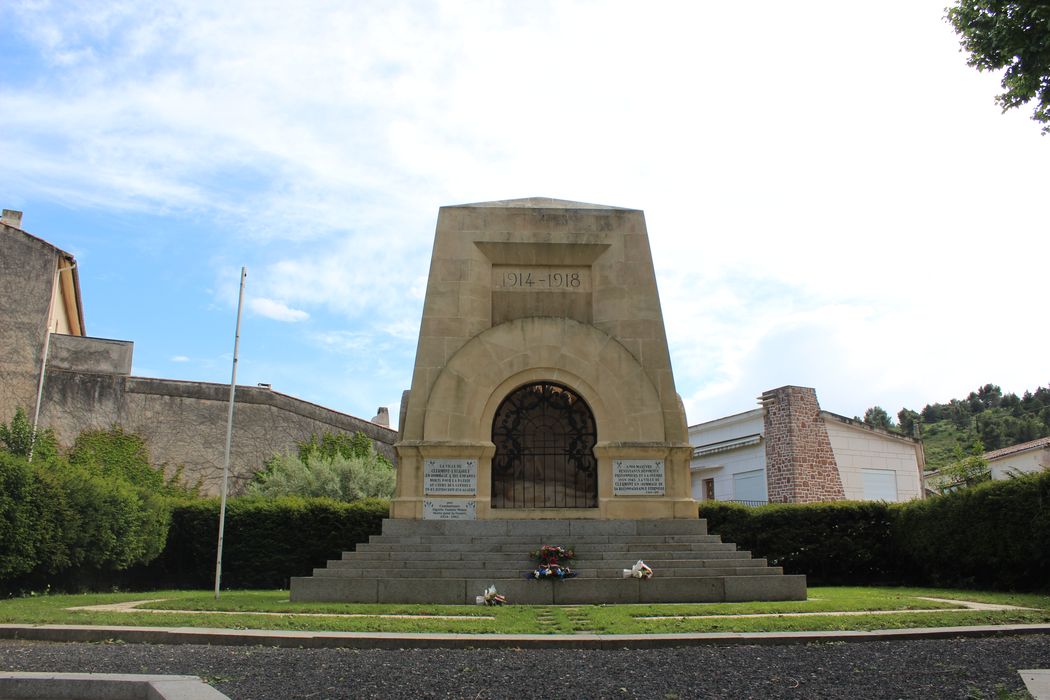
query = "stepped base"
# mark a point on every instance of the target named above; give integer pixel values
(452, 562)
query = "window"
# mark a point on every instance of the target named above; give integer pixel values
(750, 486)
(880, 484)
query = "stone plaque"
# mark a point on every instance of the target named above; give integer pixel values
(638, 477)
(450, 476)
(449, 509)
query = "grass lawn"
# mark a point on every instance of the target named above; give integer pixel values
(513, 619)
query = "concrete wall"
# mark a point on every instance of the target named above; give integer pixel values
(27, 276)
(858, 447)
(184, 423)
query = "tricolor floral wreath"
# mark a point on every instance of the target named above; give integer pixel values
(551, 563)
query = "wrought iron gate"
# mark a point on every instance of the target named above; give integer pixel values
(544, 435)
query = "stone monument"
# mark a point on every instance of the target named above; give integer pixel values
(542, 412)
(542, 385)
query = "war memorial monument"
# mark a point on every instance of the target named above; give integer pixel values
(543, 411)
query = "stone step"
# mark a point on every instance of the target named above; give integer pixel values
(713, 550)
(454, 561)
(679, 572)
(438, 542)
(575, 591)
(560, 529)
(523, 566)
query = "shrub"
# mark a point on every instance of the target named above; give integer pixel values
(32, 520)
(18, 438)
(265, 541)
(341, 467)
(110, 524)
(843, 542)
(993, 535)
(115, 454)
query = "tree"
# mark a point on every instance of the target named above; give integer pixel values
(876, 417)
(966, 470)
(1011, 35)
(18, 438)
(909, 420)
(343, 467)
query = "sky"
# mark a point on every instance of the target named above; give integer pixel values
(833, 198)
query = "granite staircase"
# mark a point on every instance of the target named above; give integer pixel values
(453, 561)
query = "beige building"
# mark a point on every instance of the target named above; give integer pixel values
(752, 458)
(86, 383)
(39, 295)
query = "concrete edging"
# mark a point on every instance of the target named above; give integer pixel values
(118, 686)
(392, 640)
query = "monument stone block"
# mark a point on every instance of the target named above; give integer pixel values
(542, 386)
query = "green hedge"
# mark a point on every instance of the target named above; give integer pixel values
(832, 543)
(62, 524)
(996, 535)
(265, 541)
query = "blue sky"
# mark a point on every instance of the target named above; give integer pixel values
(833, 199)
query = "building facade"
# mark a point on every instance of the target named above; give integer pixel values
(86, 383)
(791, 451)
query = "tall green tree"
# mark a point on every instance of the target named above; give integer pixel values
(876, 417)
(1014, 36)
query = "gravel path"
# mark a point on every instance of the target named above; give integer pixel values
(964, 668)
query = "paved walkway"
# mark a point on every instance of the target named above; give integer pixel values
(400, 640)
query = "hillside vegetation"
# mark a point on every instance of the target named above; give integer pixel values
(987, 416)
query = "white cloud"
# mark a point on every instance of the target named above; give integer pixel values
(180, 358)
(276, 310)
(823, 186)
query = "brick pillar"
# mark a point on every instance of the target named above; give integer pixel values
(800, 466)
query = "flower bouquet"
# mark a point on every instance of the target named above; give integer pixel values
(551, 563)
(639, 570)
(491, 597)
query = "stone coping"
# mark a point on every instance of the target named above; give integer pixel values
(392, 640)
(116, 686)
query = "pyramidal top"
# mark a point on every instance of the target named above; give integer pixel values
(538, 203)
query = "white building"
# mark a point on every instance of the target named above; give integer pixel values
(1024, 458)
(748, 457)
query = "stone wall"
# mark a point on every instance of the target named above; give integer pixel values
(27, 276)
(800, 464)
(184, 423)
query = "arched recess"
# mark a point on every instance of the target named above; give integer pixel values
(464, 396)
(544, 434)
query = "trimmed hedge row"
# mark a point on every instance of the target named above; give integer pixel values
(832, 543)
(265, 541)
(995, 535)
(60, 519)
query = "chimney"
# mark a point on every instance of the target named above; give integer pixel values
(382, 417)
(12, 218)
(800, 465)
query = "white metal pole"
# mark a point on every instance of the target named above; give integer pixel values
(229, 436)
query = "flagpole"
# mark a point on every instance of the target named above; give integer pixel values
(229, 437)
